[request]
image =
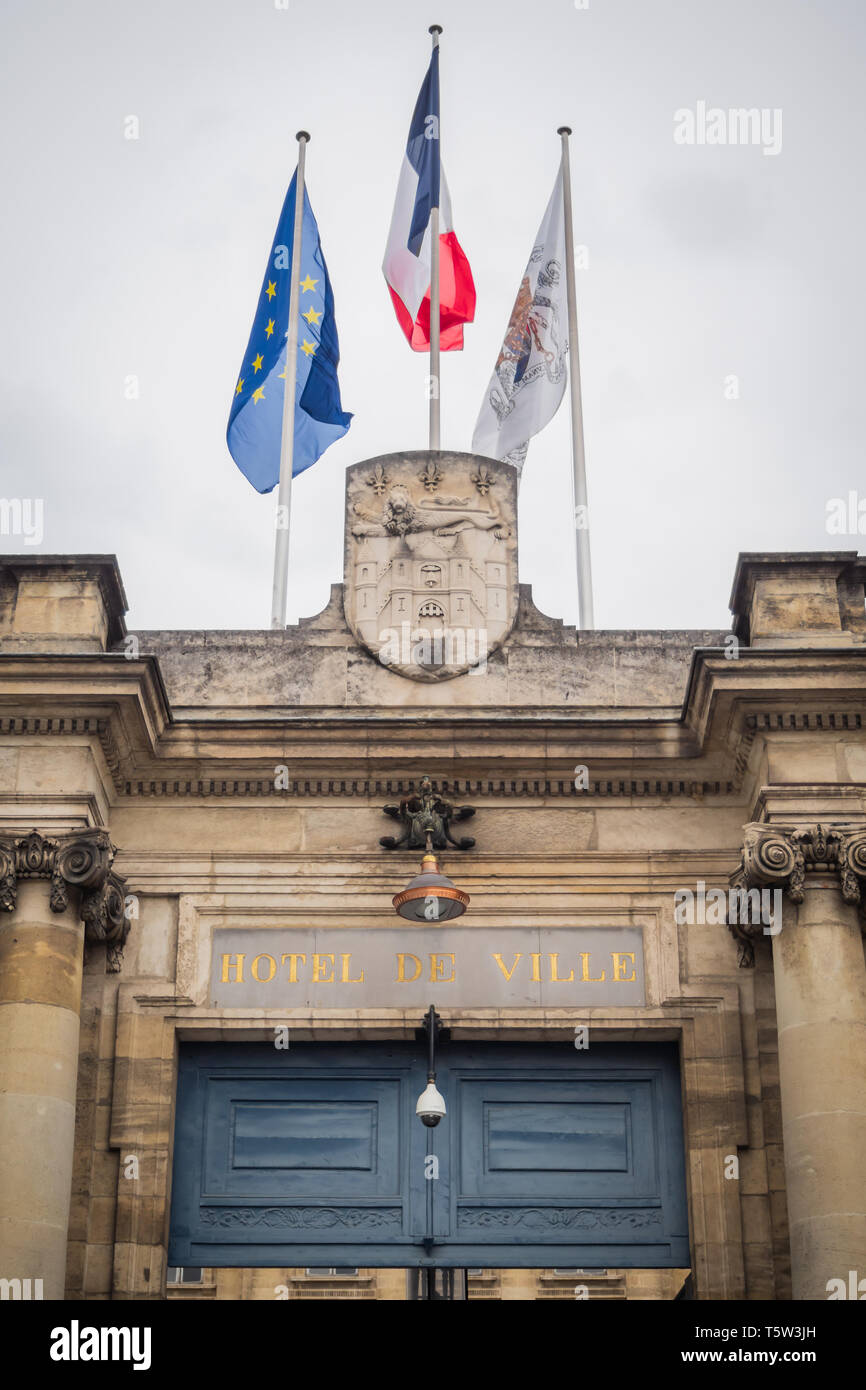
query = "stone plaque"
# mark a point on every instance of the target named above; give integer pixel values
(431, 560)
(326, 968)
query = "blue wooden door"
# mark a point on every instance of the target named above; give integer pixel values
(314, 1156)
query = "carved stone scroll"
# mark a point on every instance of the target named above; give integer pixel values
(783, 856)
(81, 860)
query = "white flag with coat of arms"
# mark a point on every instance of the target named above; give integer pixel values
(529, 378)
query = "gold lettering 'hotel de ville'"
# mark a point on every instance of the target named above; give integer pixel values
(430, 947)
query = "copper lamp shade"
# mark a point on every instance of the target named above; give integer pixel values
(430, 896)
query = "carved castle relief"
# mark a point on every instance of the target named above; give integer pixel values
(431, 560)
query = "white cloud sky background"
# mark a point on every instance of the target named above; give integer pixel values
(146, 257)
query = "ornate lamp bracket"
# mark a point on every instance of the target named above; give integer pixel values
(426, 820)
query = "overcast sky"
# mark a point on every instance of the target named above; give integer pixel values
(144, 257)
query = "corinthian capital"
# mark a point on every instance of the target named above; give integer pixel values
(782, 856)
(772, 858)
(81, 859)
(852, 865)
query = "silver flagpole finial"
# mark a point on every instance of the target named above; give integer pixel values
(303, 135)
(435, 29)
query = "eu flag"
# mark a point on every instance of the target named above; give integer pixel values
(255, 422)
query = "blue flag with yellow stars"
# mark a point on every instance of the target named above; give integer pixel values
(255, 422)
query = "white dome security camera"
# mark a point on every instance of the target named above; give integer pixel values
(431, 1105)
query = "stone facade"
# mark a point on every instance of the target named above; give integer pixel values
(169, 746)
(391, 1285)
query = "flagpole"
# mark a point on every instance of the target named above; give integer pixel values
(581, 508)
(435, 313)
(287, 441)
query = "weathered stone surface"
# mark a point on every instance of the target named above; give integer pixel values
(176, 753)
(60, 603)
(799, 599)
(540, 665)
(430, 573)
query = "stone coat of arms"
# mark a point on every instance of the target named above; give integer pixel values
(431, 560)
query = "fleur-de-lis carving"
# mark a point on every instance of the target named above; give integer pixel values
(483, 479)
(431, 476)
(379, 480)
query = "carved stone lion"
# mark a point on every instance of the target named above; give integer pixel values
(444, 516)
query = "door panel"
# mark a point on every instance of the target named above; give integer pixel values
(519, 1136)
(561, 1160)
(292, 1136)
(558, 1136)
(302, 1150)
(314, 1156)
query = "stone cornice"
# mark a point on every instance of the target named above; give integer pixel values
(48, 684)
(122, 704)
(349, 752)
(783, 676)
(806, 803)
(79, 859)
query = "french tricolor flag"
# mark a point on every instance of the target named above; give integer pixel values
(407, 262)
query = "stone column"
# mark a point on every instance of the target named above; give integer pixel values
(41, 961)
(820, 984)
